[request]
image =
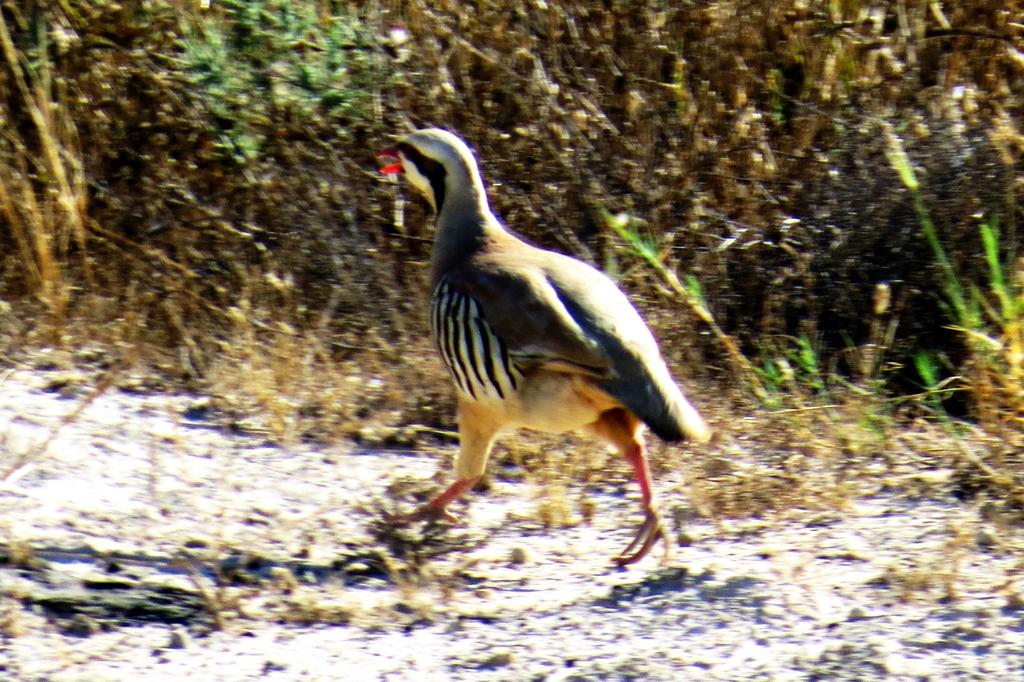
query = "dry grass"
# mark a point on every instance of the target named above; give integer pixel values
(44, 223)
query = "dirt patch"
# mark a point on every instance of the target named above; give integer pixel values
(145, 541)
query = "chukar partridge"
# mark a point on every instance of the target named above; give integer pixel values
(532, 338)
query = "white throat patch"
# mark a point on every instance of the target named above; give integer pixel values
(419, 181)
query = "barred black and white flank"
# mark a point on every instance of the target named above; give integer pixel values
(475, 356)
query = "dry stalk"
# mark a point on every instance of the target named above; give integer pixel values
(23, 461)
(58, 149)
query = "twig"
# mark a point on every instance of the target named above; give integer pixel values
(22, 462)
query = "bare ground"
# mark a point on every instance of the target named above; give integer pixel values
(146, 540)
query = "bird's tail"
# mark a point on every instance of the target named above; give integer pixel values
(693, 425)
(654, 397)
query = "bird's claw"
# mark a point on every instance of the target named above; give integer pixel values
(427, 512)
(652, 530)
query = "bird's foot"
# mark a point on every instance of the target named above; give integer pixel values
(435, 512)
(437, 508)
(652, 530)
(428, 512)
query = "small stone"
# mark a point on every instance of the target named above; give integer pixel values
(897, 664)
(273, 667)
(359, 568)
(81, 625)
(498, 659)
(717, 466)
(373, 435)
(198, 409)
(935, 476)
(179, 639)
(985, 538)
(989, 511)
(858, 613)
(1014, 601)
(65, 383)
(518, 556)
(108, 583)
(284, 579)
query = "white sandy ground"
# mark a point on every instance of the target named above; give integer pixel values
(795, 598)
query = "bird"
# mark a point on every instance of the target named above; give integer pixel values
(534, 339)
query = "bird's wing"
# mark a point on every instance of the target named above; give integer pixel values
(639, 379)
(524, 311)
(565, 315)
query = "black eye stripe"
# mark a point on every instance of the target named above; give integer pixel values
(429, 168)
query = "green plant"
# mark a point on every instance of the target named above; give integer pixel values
(993, 332)
(256, 64)
(1004, 348)
(793, 367)
(647, 248)
(808, 361)
(935, 387)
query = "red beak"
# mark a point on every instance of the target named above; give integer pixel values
(395, 165)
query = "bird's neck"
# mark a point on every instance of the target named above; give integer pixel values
(465, 225)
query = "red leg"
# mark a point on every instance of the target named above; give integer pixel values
(438, 507)
(652, 528)
(638, 458)
(476, 435)
(622, 429)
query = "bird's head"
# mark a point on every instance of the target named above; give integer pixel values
(438, 164)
